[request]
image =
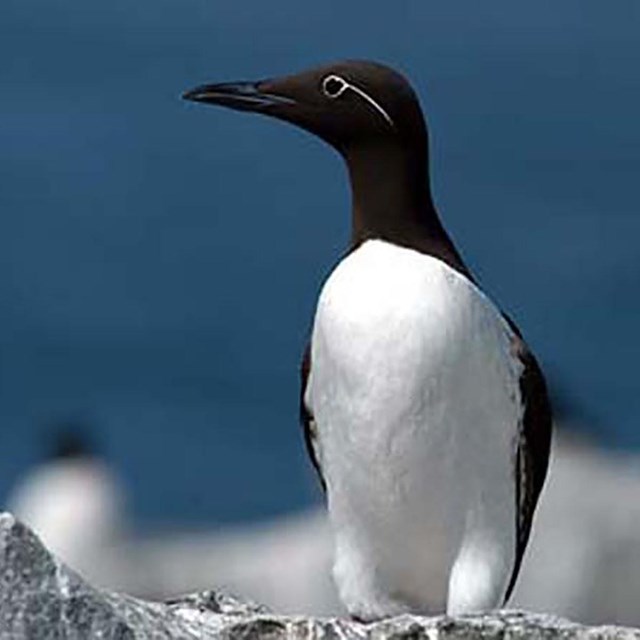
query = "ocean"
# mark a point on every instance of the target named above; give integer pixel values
(159, 260)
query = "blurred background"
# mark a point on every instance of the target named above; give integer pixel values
(159, 263)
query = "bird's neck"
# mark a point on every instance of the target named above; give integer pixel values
(391, 200)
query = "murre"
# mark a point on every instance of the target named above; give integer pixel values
(424, 411)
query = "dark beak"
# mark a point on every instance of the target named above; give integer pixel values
(243, 96)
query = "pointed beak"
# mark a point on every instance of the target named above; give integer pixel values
(243, 96)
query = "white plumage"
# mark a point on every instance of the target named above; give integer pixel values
(415, 396)
(76, 506)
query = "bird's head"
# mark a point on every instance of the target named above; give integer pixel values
(346, 104)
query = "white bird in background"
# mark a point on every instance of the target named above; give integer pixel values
(74, 502)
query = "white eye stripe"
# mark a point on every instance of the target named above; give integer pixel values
(373, 103)
(344, 85)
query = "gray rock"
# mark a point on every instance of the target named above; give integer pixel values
(42, 599)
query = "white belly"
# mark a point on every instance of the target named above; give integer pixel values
(416, 400)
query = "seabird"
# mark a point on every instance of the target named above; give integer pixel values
(425, 413)
(73, 500)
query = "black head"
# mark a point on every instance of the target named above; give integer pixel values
(372, 116)
(70, 440)
(346, 103)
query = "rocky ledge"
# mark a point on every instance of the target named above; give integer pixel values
(42, 599)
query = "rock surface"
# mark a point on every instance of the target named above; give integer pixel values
(42, 599)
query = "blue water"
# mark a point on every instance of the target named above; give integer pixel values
(146, 288)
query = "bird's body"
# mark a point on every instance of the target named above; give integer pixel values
(425, 413)
(415, 397)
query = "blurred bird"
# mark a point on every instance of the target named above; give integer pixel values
(425, 413)
(73, 501)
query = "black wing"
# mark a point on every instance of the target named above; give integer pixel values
(306, 417)
(532, 456)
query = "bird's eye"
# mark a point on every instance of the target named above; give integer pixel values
(333, 86)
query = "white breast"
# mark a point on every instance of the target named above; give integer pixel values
(416, 399)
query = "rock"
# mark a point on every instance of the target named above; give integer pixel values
(42, 599)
